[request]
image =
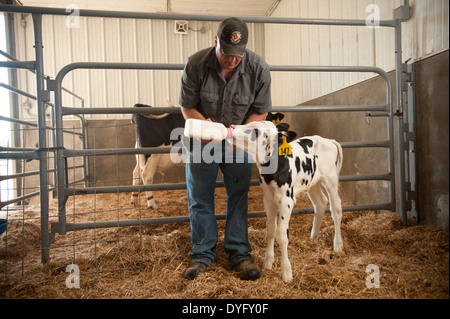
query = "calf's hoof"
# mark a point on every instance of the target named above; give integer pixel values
(286, 272)
(134, 200)
(287, 278)
(338, 246)
(152, 204)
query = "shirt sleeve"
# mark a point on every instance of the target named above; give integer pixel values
(189, 88)
(263, 100)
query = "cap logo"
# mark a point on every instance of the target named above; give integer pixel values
(236, 37)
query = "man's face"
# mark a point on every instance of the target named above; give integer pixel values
(226, 62)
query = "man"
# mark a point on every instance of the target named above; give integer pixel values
(227, 84)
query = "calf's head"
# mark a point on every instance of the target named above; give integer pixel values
(259, 139)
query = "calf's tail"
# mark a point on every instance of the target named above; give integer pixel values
(340, 156)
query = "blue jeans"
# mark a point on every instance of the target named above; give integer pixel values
(201, 175)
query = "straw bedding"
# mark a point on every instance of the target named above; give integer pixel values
(413, 261)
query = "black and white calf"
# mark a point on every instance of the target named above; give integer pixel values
(153, 131)
(313, 167)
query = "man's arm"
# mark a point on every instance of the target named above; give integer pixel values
(191, 114)
(255, 117)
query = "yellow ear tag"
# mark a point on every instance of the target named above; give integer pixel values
(285, 148)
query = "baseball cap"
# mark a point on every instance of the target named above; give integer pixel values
(233, 37)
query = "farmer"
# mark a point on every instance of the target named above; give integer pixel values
(228, 84)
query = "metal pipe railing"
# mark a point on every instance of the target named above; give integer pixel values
(185, 219)
(191, 17)
(165, 150)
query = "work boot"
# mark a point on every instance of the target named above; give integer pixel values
(247, 270)
(194, 270)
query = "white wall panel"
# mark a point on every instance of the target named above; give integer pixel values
(384, 38)
(79, 51)
(336, 44)
(96, 53)
(116, 40)
(144, 55)
(425, 34)
(113, 53)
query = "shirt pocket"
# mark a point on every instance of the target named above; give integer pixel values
(210, 104)
(242, 100)
(241, 107)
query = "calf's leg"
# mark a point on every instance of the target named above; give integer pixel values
(285, 209)
(319, 201)
(271, 223)
(140, 163)
(147, 176)
(336, 212)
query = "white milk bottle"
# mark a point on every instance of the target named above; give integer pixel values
(206, 130)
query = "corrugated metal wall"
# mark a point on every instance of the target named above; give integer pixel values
(426, 33)
(116, 40)
(129, 40)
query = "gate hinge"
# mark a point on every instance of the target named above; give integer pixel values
(51, 85)
(409, 78)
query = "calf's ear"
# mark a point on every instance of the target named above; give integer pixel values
(290, 136)
(282, 127)
(279, 116)
(283, 131)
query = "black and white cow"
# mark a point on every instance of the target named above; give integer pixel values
(313, 167)
(153, 131)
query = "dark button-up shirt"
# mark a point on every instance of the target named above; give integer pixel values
(204, 88)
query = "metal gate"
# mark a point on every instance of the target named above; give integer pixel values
(392, 111)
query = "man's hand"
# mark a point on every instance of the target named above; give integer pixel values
(207, 141)
(194, 114)
(232, 147)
